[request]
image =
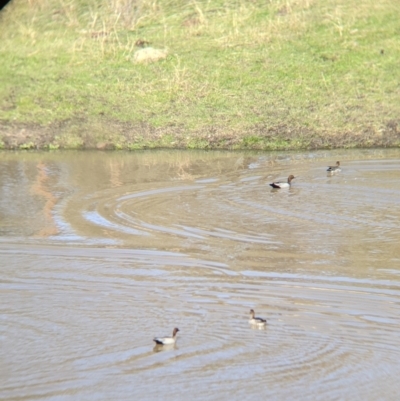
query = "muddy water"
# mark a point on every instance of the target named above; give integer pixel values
(100, 252)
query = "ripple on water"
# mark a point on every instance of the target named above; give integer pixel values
(319, 328)
(319, 262)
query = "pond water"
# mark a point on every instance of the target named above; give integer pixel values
(100, 252)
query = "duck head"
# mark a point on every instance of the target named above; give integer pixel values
(290, 178)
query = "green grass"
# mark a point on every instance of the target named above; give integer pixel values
(251, 74)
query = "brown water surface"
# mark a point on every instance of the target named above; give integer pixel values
(100, 252)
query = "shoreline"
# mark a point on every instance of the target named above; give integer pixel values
(105, 134)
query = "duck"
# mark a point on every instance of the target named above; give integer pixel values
(283, 184)
(257, 321)
(334, 169)
(166, 340)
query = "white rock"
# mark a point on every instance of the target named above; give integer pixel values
(149, 54)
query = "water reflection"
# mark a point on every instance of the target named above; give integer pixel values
(100, 251)
(41, 188)
(115, 173)
(169, 347)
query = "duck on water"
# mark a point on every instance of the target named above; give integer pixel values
(334, 169)
(279, 184)
(166, 340)
(256, 321)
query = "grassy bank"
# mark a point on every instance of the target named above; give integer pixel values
(239, 74)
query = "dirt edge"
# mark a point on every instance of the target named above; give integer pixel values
(105, 134)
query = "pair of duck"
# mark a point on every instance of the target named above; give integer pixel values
(255, 321)
(331, 170)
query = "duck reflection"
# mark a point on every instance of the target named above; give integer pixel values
(160, 347)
